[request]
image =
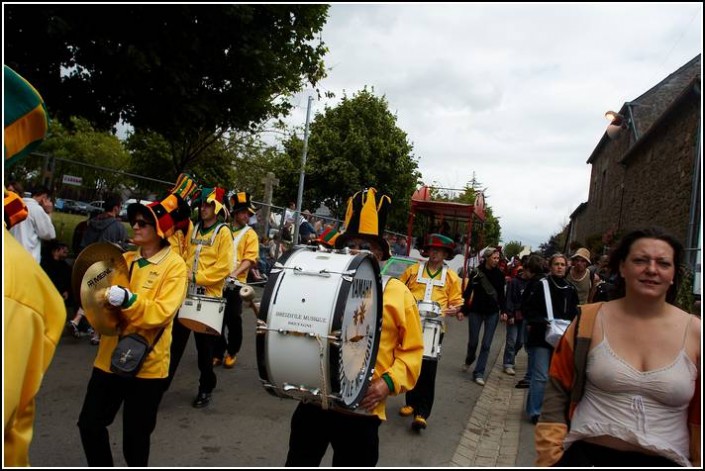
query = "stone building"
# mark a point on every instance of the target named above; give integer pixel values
(646, 169)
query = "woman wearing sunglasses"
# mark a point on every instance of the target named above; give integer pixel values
(148, 305)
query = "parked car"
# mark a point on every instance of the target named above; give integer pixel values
(85, 208)
(123, 211)
(98, 204)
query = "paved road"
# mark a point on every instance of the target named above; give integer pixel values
(245, 426)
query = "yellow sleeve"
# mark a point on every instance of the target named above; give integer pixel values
(248, 249)
(34, 317)
(219, 258)
(453, 290)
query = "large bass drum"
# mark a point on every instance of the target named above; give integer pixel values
(319, 327)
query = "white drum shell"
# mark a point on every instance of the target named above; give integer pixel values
(432, 329)
(203, 314)
(429, 309)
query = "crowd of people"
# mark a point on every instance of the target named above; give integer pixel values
(620, 387)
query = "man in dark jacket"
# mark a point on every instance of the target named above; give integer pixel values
(484, 301)
(106, 227)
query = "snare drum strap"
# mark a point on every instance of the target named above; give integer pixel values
(236, 242)
(429, 282)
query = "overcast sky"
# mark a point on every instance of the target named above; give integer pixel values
(515, 93)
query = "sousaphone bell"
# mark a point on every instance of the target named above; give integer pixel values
(96, 268)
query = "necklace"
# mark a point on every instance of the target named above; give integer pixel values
(570, 273)
(553, 282)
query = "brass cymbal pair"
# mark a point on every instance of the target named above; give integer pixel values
(96, 268)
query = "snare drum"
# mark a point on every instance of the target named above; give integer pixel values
(432, 329)
(320, 323)
(429, 309)
(203, 314)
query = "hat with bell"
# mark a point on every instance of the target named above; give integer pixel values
(366, 217)
(240, 201)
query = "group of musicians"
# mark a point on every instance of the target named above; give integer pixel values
(176, 260)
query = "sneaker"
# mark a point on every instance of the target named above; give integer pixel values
(73, 328)
(406, 411)
(510, 371)
(95, 339)
(522, 384)
(217, 361)
(202, 400)
(479, 380)
(534, 419)
(229, 361)
(419, 423)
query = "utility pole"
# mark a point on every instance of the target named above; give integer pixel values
(302, 174)
(270, 181)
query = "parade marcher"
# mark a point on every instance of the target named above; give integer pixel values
(38, 225)
(210, 261)
(431, 281)
(33, 310)
(355, 437)
(564, 303)
(246, 253)
(624, 387)
(484, 301)
(157, 287)
(579, 275)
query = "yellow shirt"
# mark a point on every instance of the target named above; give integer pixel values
(247, 249)
(34, 318)
(448, 295)
(160, 285)
(179, 241)
(401, 343)
(215, 262)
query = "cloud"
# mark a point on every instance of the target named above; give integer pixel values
(512, 93)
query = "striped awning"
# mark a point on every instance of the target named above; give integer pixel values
(26, 119)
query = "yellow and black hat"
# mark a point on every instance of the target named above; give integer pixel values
(366, 217)
(240, 201)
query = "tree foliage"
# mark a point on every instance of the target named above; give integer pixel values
(354, 145)
(512, 248)
(190, 73)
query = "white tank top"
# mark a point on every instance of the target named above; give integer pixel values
(648, 409)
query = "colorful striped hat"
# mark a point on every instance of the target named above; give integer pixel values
(185, 187)
(14, 208)
(240, 201)
(366, 217)
(26, 119)
(169, 214)
(328, 237)
(216, 196)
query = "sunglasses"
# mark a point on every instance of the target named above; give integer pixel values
(141, 223)
(358, 245)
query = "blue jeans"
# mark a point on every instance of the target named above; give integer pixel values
(475, 321)
(539, 376)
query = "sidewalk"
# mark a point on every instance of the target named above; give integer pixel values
(497, 434)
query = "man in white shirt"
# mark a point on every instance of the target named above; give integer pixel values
(38, 225)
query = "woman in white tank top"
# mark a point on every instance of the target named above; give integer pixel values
(641, 401)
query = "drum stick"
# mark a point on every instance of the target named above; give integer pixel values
(247, 293)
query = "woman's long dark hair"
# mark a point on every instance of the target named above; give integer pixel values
(621, 251)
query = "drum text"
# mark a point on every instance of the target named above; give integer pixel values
(361, 288)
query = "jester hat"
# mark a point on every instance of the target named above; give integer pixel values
(366, 217)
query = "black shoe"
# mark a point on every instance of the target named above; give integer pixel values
(534, 419)
(202, 400)
(522, 384)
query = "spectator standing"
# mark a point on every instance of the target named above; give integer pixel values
(106, 227)
(38, 225)
(484, 301)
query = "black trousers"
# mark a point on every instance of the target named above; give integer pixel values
(232, 319)
(205, 346)
(422, 396)
(105, 394)
(583, 454)
(354, 438)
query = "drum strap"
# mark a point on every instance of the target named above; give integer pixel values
(236, 242)
(430, 282)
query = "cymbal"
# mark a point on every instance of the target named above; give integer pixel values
(98, 252)
(110, 269)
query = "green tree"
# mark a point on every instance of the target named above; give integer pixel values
(190, 73)
(512, 248)
(355, 145)
(83, 144)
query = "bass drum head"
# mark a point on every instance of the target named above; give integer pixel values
(320, 293)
